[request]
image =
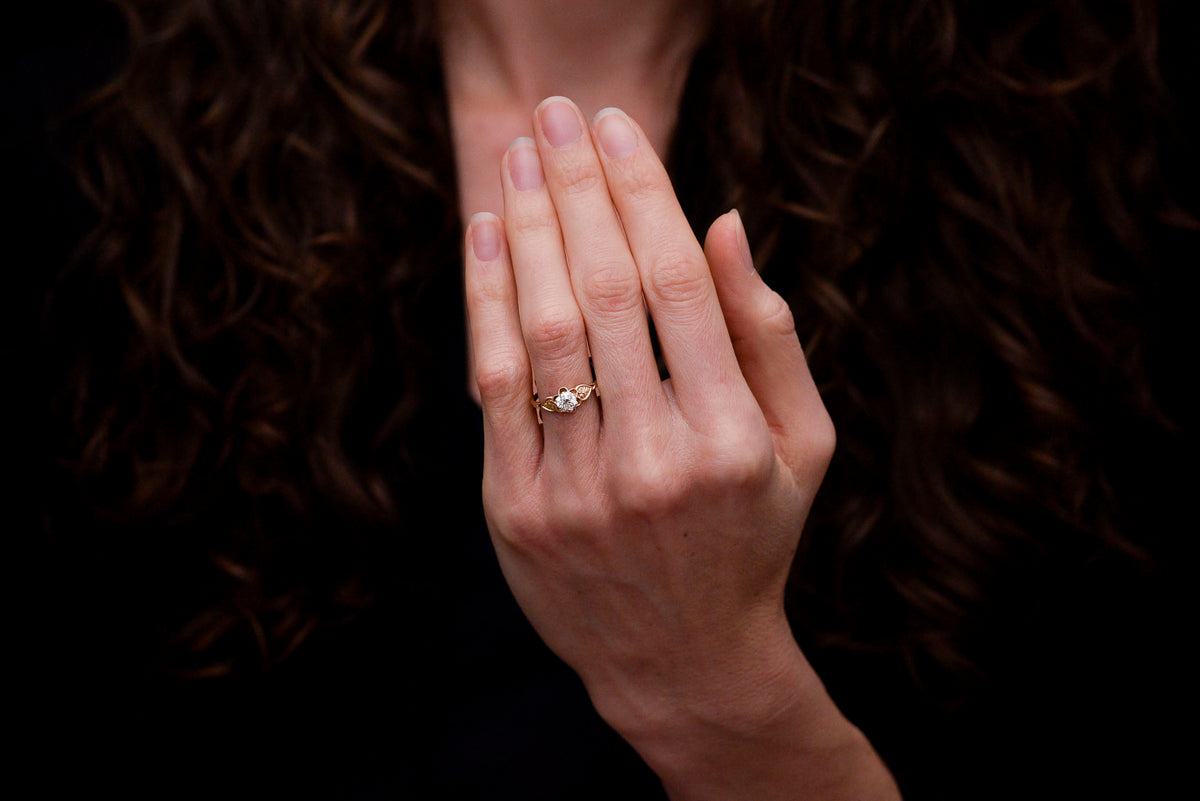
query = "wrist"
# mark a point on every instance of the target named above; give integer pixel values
(755, 724)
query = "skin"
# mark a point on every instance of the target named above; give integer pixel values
(501, 57)
(648, 535)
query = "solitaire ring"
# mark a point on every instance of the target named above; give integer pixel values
(566, 401)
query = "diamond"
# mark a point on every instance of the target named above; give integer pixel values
(566, 401)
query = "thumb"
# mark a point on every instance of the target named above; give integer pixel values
(764, 338)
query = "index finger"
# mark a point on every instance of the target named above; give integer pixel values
(676, 281)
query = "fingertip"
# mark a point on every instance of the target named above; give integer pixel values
(606, 111)
(726, 248)
(482, 217)
(743, 243)
(546, 101)
(560, 120)
(721, 230)
(615, 132)
(523, 164)
(485, 234)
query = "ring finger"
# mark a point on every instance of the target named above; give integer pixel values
(551, 322)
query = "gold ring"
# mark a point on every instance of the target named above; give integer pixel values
(566, 401)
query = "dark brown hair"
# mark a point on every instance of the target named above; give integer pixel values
(960, 201)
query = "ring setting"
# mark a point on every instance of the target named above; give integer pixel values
(566, 401)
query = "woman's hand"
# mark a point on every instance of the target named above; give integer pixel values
(648, 534)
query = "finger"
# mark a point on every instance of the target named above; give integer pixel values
(674, 273)
(512, 443)
(602, 270)
(551, 322)
(772, 360)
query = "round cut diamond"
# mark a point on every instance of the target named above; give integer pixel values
(566, 401)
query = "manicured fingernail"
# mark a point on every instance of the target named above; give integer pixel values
(525, 165)
(744, 243)
(485, 236)
(559, 121)
(616, 135)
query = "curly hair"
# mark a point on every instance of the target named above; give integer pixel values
(965, 207)
(941, 189)
(273, 181)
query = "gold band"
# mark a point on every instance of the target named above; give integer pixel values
(566, 401)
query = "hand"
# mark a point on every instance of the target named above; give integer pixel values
(648, 534)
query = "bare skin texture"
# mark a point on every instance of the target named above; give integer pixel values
(503, 56)
(648, 535)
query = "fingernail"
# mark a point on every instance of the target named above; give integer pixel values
(616, 135)
(485, 236)
(559, 121)
(525, 165)
(744, 244)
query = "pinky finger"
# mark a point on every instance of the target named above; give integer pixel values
(512, 441)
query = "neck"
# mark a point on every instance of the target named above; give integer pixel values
(515, 52)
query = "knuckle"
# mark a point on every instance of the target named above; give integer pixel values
(521, 534)
(499, 377)
(650, 500)
(528, 221)
(644, 183)
(612, 288)
(822, 440)
(675, 278)
(554, 334)
(578, 178)
(516, 523)
(496, 488)
(647, 488)
(490, 293)
(574, 514)
(734, 458)
(810, 455)
(776, 318)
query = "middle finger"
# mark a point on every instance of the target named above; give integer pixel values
(602, 269)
